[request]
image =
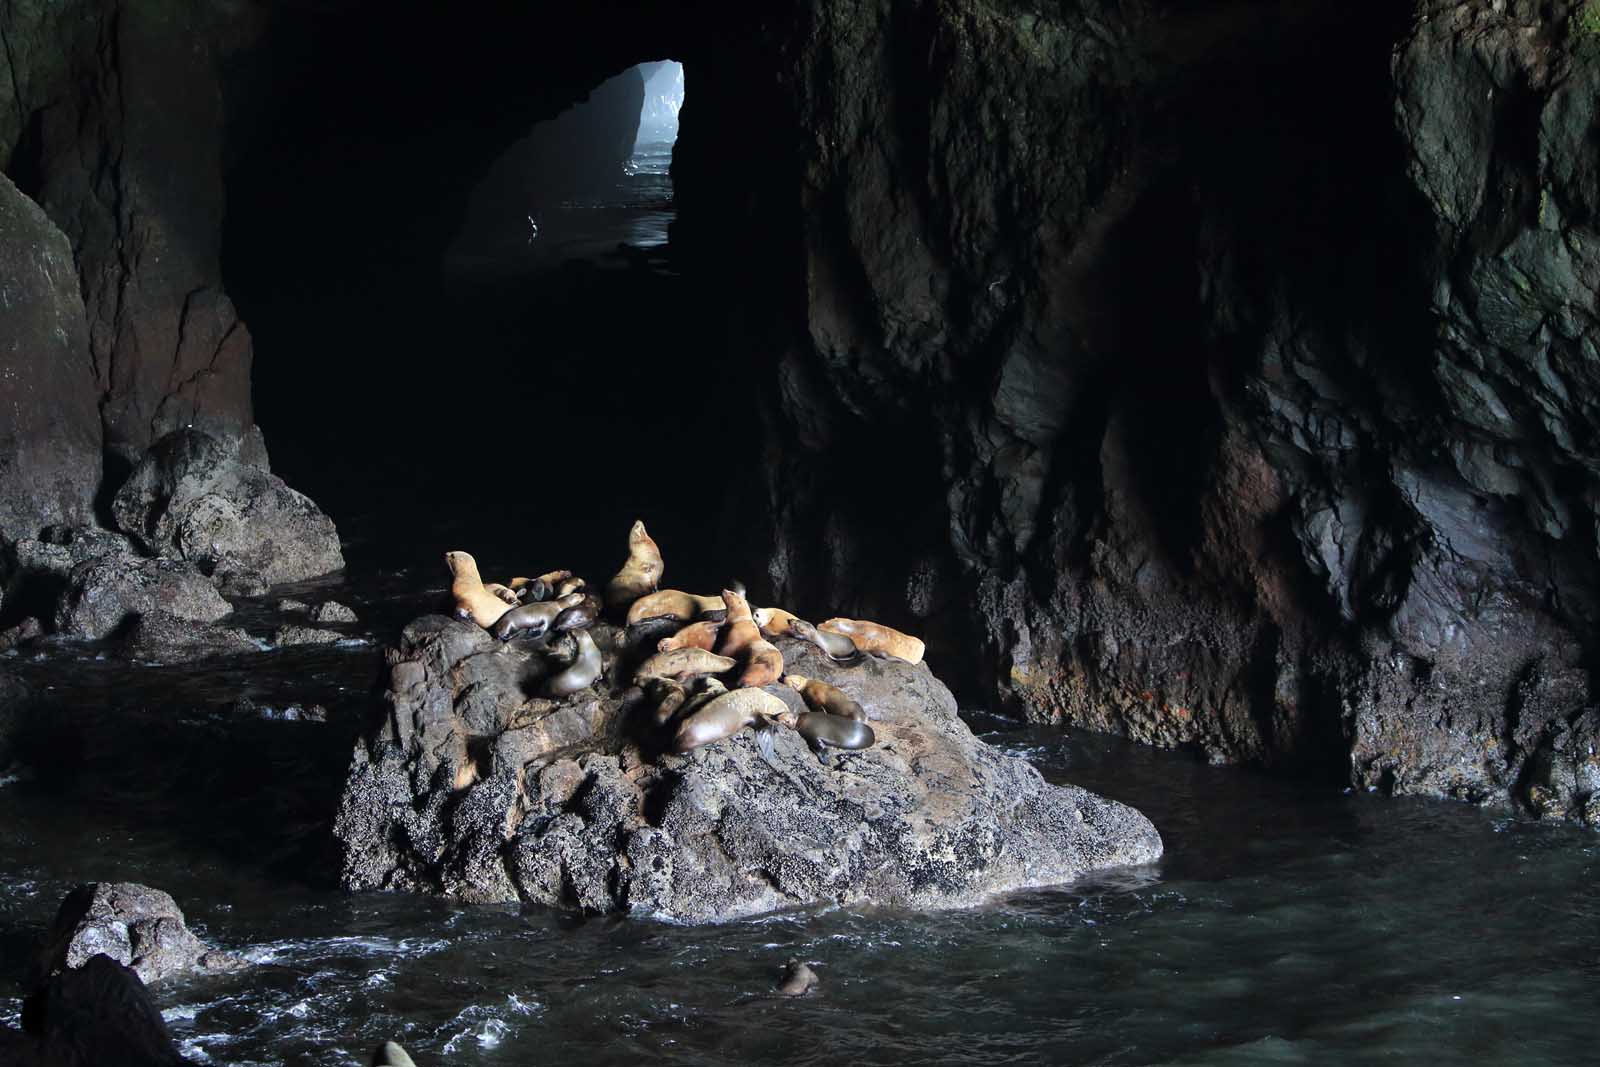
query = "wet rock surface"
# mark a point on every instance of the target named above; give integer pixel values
(104, 595)
(134, 925)
(206, 500)
(162, 637)
(474, 788)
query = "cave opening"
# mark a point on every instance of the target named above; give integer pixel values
(486, 342)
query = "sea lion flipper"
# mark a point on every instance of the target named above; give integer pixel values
(764, 735)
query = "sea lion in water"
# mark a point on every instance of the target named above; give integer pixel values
(798, 979)
(682, 662)
(390, 1054)
(726, 715)
(582, 673)
(672, 603)
(472, 600)
(823, 731)
(534, 620)
(774, 622)
(640, 574)
(835, 646)
(763, 665)
(876, 637)
(695, 635)
(742, 631)
(828, 699)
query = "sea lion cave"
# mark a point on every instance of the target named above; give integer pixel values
(1086, 505)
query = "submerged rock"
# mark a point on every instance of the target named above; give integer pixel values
(103, 595)
(199, 498)
(136, 926)
(474, 788)
(332, 611)
(167, 638)
(305, 635)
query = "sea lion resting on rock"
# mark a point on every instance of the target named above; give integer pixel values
(695, 635)
(823, 731)
(835, 646)
(582, 673)
(682, 662)
(534, 620)
(640, 574)
(741, 631)
(828, 699)
(763, 666)
(472, 600)
(774, 622)
(726, 715)
(876, 637)
(580, 615)
(502, 592)
(539, 588)
(673, 603)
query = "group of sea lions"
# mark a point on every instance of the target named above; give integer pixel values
(707, 679)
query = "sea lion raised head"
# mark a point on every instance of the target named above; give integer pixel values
(640, 574)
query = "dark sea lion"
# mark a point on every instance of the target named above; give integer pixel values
(580, 615)
(570, 586)
(582, 673)
(534, 620)
(640, 574)
(828, 699)
(823, 731)
(472, 600)
(835, 646)
(725, 715)
(798, 979)
(876, 637)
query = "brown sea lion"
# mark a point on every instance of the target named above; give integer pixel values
(798, 979)
(672, 603)
(502, 592)
(876, 637)
(640, 574)
(741, 631)
(725, 716)
(668, 695)
(823, 731)
(585, 668)
(828, 699)
(472, 600)
(774, 622)
(763, 664)
(695, 635)
(534, 620)
(681, 663)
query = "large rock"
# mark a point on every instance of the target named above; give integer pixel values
(98, 1014)
(134, 925)
(103, 595)
(203, 499)
(49, 421)
(474, 789)
(162, 637)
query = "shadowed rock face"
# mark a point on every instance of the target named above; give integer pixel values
(473, 789)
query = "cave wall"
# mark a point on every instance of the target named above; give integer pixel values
(1246, 350)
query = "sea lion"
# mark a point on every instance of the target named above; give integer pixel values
(504, 593)
(569, 586)
(742, 630)
(724, 716)
(669, 695)
(582, 673)
(774, 622)
(674, 603)
(763, 665)
(837, 647)
(390, 1054)
(695, 635)
(828, 699)
(823, 731)
(798, 979)
(534, 620)
(540, 588)
(579, 615)
(640, 574)
(876, 637)
(681, 663)
(472, 600)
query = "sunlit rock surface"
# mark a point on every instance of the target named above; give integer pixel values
(473, 788)
(136, 926)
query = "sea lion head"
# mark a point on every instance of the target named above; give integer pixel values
(460, 563)
(796, 682)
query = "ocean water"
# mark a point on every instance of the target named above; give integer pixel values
(1286, 924)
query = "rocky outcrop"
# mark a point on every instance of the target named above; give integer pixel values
(210, 502)
(162, 637)
(104, 595)
(49, 424)
(96, 1014)
(134, 925)
(473, 788)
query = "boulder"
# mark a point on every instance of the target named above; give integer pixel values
(136, 926)
(305, 635)
(201, 499)
(162, 637)
(103, 595)
(37, 568)
(475, 788)
(50, 436)
(332, 611)
(97, 1014)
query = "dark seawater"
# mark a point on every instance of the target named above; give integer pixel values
(1285, 925)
